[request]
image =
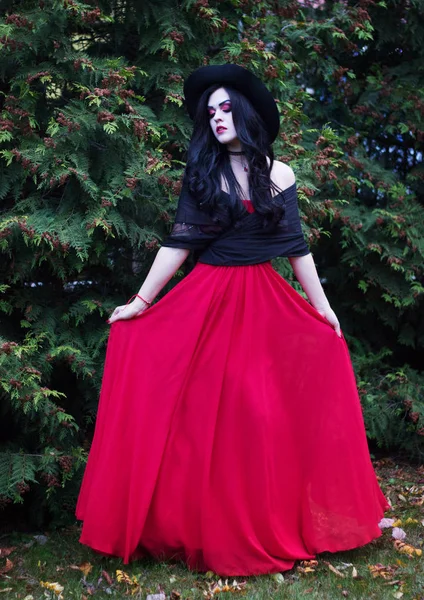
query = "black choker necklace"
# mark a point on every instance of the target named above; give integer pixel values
(236, 153)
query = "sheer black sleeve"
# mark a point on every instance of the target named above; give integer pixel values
(193, 228)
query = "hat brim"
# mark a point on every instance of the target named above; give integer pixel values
(242, 80)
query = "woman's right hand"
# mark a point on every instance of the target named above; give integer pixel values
(128, 311)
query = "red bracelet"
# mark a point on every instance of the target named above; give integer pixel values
(141, 298)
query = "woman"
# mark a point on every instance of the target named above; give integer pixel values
(229, 432)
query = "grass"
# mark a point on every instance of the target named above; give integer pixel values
(84, 574)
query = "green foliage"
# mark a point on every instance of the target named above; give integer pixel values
(392, 401)
(92, 146)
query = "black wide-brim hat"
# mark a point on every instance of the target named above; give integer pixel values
(242, 80)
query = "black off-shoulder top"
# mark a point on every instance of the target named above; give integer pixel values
(219, 239)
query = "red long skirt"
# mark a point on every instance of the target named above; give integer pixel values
(229, 432)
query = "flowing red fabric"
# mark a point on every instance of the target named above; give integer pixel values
(229, 432)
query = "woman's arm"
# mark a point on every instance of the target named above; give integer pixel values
(306, 274)
(166, 264)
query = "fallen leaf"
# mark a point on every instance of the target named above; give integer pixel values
(278, 577)
(89, 588)
(406, 548)
(397, 523)
(122, 577)
(41, 565)
(410, 521)
(107, 577)
(85, 567)
(172, 579)
(7, 567)
(398, 533)
(379, 570)
(309, 563)
(336, 571)
(156, 597)
(7, 551)
(307, 566)
(220, 586)
(354, 572)
(397, 594)
(6, 590)
(384, 523)
(53, 587)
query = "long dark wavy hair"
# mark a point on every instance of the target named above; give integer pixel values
(208, 159)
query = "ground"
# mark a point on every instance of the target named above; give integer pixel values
(54, 565)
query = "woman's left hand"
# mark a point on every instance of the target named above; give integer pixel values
(128, 311)
(329, 314)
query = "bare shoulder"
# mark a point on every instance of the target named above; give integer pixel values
(282, 174)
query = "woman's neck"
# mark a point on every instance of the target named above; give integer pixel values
(234, 146)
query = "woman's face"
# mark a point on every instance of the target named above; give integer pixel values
(221, 116)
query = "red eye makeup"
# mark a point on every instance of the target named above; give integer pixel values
(225, 107)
